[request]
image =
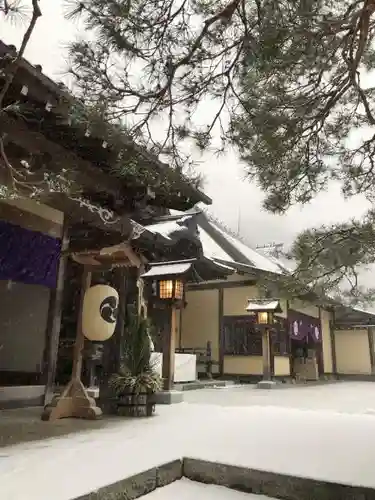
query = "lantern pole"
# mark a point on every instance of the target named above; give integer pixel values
(169, 346)
(266, 349)
(75, 401)
(264, 309)
(80, 338)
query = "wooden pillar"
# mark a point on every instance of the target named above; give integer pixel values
(272, 356)
(209, 359)
(333, 343)
(114, 344)
(80, 338)
(169, 345)
(266, 350)
(291, 357)
(111, 359)
(180, 329)
(122, 312)
(319, 347)
(370, 332)
(54, 318)
(221, 331)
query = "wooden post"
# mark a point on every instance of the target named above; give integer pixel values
(221, 331)
(209, 359)
(169, 346)
(54, 317)
(180, 329)
(74, 401)
(111, 359)
(123, 281)
(370, 333)
(319, 347)
(80, 338)
(333, 342)
(290, 345)
(272, 356)
(266, 354)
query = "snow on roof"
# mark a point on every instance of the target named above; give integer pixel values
(263, 305)
(172, 268)
(164, 228)
(258, 260)
(211, 249)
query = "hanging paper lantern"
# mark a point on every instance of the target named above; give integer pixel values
(99, 313)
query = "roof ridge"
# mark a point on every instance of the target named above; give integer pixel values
(242, 240)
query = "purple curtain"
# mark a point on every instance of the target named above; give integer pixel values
(304, 327)
(28, 256)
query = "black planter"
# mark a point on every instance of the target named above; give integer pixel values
(135, 405)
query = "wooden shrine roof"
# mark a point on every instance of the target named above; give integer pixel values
(43, 118)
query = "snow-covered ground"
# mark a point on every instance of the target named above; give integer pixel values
(347, 397)
(325, 432)
(189, 490)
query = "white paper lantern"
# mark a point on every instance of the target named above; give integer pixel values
(99, 313)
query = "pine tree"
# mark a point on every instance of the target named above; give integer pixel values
(286, 79)
(282, 80)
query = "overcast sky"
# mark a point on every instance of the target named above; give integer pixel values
(234, 199)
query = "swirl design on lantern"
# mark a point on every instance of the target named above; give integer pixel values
(99, 313)
(109, 310)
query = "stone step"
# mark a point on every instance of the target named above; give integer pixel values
(227, 480)
(184, 489)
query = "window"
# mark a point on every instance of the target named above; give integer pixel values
(280, 337)
(241, 337)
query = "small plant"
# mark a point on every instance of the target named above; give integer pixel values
(137, 374)
(125, 382)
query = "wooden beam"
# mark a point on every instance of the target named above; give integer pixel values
(54, 318)
(84, 172)
(40, 86)
(28, 220)
(92, 214)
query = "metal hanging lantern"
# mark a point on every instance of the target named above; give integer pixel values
(168, 281)
(264, 310)
(171, 289)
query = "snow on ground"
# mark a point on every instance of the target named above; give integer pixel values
(340, 397)
(189, 490)
(325, 432)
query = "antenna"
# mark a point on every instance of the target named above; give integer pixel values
(239, 222)
(276, 248)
